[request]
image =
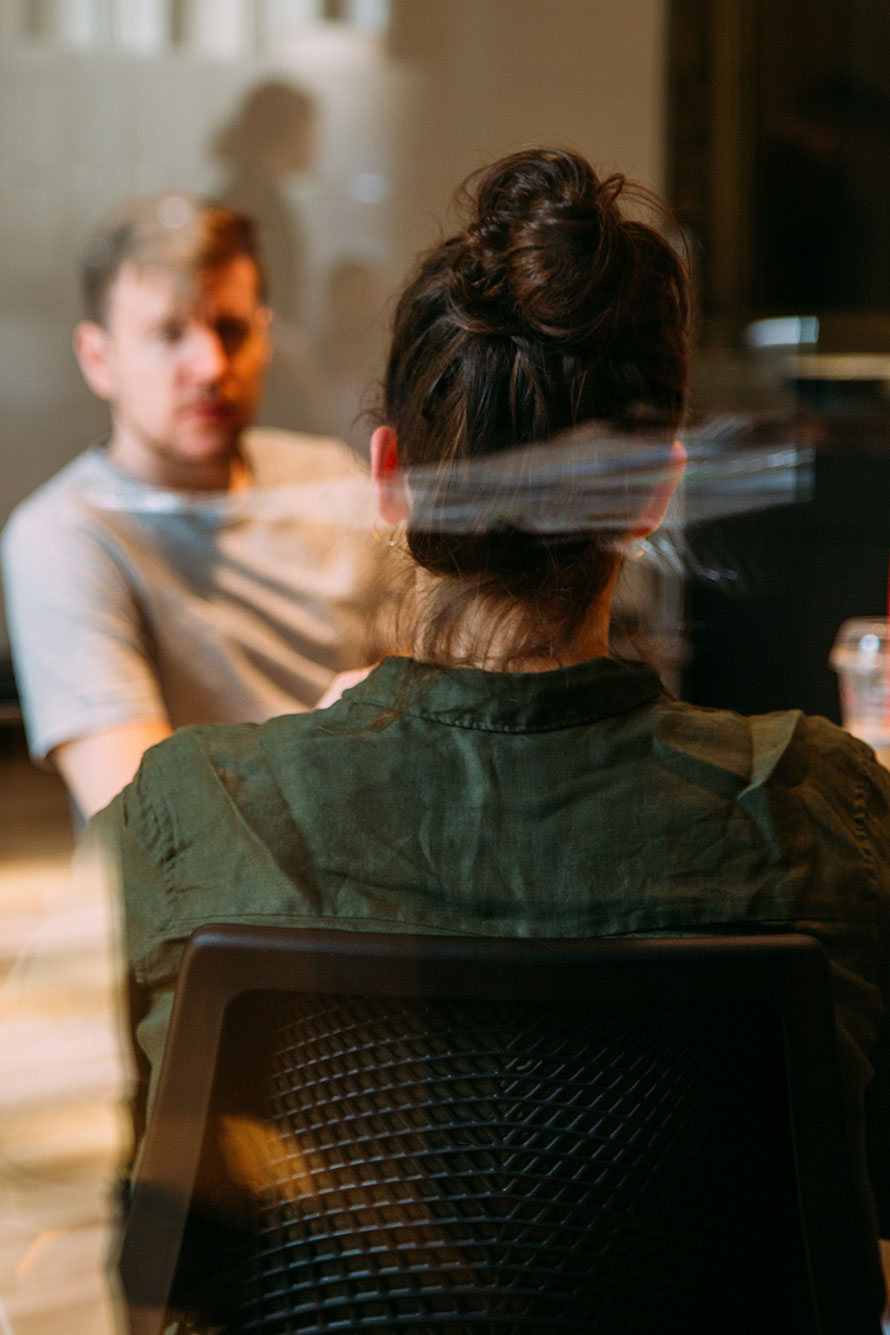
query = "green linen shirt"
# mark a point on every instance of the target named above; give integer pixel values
(581, 802)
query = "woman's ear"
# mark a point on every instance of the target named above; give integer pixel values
(664, 489)
(390, 488)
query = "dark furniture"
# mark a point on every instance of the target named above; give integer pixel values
(760, 640)
(411, 1133)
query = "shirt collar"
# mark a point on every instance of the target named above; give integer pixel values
(508, 701)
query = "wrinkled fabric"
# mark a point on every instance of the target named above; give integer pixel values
(581, 802)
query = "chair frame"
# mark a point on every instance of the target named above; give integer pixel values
(791, 972)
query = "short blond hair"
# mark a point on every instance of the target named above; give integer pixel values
(171, 232)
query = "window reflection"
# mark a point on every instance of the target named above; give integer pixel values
(343, 125)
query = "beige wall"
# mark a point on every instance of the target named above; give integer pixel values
(498, 74)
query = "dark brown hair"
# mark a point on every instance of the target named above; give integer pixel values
(173, 233)
(550, 309)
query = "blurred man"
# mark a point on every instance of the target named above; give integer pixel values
(189, 568)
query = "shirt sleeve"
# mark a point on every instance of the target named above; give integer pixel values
(856, 789)
(124, 848)
(80, 649)
(873, 815)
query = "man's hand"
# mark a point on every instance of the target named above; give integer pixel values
(96, 768)
(341, 683)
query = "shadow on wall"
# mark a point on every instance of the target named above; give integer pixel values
(270, 138)
(313, 384)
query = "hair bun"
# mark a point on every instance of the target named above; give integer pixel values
(545, 249)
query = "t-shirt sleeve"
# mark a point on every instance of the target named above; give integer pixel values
(79, 645)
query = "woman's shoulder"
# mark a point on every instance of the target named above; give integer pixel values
(785, 746)
(822, 746)
(198, 744)
(203, 791)
(225, 748)
(201, 770)
(824, 754)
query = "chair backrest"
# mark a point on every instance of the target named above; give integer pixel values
(376, 1133)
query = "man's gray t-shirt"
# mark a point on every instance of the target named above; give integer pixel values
(129, 603)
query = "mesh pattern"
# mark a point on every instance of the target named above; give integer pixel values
(475, 1167)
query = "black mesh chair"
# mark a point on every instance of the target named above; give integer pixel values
(437, 1134)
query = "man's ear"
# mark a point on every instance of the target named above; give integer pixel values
(664, 489)
(92, 352)
(265, 318)
(390, 488)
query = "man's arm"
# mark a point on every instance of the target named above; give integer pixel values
(88, 686)
(96, 768)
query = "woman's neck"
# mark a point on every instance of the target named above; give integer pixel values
(490, 636)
